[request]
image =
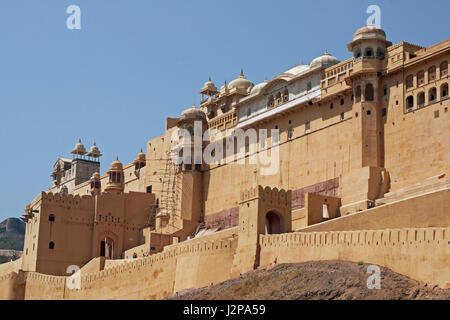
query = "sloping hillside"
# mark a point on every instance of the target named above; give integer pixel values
(12, 234)
(317, 280)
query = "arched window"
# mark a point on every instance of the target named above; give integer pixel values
(358, 94)
(421, 99)
(444, 90)
(357, 53)
(278, 99)
(249, 112)
(409, 81)
(51, 218)
(368, 92)
(368, 52)
(308, 86)
(420, 78)
(380, 53)
(270, 101)
(409, 102)
(51, 245)
(285, 95)
(443, 67)
(432, 73)
(432, 95)
(115, 177)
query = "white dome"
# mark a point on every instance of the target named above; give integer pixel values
(326, 60)
(257, 89)
(241, 83)
(298, 69)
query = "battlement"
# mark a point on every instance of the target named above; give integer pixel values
(389, 237)
(411, 251)
(267, 195)
(66, 199)
(55, 281)
(170, 252)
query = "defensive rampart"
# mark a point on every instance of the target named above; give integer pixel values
(422, 254)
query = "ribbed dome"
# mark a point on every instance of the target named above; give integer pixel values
(209, 88)
(79, 148)
(192, 114)
(241, 83)
(369, 30)
(116, 165)
(94, 152)
(326, 60)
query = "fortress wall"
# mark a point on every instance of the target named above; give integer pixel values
(190, 265)
(146, 278)
(422, 254)
(73, 218)
(11, 286)
(427, 210)
(45, 287)
(205, 263)
(12, 266)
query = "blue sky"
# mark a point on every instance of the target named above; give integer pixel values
(135, 62)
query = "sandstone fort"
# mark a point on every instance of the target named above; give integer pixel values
(361, 152)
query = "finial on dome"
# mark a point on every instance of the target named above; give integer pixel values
(242, 73)
(326, 51)
(117, 158)
(141, 150)
(265, 79)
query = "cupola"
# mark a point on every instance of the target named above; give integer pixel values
(116, 177)
(94, 152)
(79, 149)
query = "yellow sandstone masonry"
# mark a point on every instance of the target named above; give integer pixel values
(360, 173)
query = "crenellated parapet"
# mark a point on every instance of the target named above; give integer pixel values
(411, 251)
(267, 195)
(251, 193)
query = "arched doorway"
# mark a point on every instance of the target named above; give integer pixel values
(274, 223)
(107, 248)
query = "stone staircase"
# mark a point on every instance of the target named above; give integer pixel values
(428, 185)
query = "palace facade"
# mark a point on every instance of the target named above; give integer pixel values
(362, 174)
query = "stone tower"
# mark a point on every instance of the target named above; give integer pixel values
(69, 173)
(369, 49)
(261, 211)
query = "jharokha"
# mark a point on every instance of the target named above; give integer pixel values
(362, 175)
